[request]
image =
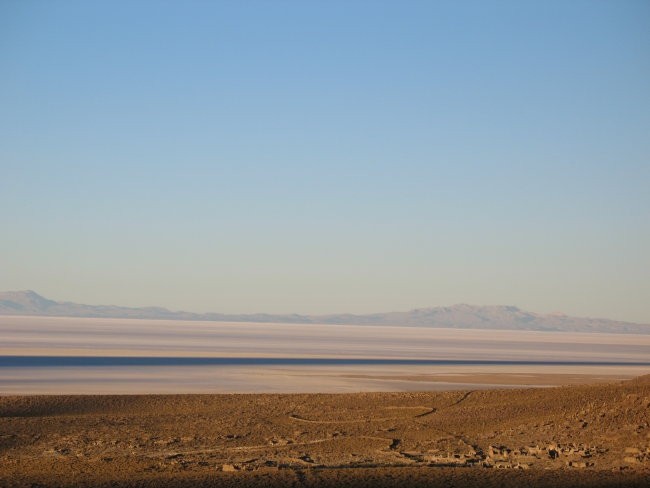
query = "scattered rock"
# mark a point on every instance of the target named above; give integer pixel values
(532, 450)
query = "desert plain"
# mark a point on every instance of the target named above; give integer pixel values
(591, 435)
(104, 402)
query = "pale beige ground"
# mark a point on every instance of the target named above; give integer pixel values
(303, 379)
(60, 336)
(137, 337)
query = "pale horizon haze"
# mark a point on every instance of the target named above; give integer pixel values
(327, 157)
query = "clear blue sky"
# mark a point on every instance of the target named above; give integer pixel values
(293, 156)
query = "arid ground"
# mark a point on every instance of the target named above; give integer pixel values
(589, 435)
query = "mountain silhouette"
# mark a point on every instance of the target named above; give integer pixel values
(460, 316)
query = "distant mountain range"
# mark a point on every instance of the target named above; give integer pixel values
(456, 316)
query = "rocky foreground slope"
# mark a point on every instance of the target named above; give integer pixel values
(569, 436)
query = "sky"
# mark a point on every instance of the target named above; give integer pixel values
(340, 156)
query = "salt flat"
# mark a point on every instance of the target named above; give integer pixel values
(544, 356)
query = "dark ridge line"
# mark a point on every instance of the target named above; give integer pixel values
(43, 361)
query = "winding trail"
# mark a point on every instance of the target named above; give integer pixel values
(428, 411)
(462, 399)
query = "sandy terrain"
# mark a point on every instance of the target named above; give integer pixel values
(596, 435)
